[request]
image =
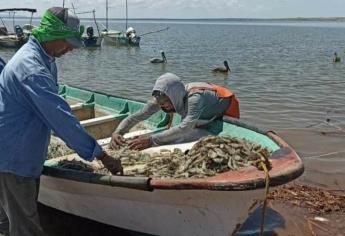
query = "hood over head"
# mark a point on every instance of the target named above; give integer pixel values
(172, 86)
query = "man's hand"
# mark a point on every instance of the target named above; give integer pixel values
(140, 143)
(113, 164)
(116, 141)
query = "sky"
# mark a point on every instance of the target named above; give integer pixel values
(194, 8)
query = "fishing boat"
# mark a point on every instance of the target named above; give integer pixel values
(191, 206)
(20, 35)
(92, 41)
(120, 38)
(89, 38)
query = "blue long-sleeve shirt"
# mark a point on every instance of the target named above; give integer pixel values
(30, 108)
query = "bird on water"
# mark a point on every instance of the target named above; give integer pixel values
(336, 58)
(222, 69)
(158, 60)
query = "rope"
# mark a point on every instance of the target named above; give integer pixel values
(326, 154)
(264, 207)
(264, 164)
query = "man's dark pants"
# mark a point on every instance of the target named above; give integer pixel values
(18, 205)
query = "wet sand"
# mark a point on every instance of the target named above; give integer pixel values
(323, 154)
(300, 222)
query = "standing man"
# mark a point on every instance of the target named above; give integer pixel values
(197, 103)
(30, 108)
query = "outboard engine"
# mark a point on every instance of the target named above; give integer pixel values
(130, 33)
(89, 31)
(19, 31)
(3, 30)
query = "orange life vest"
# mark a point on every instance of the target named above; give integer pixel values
(234, 108)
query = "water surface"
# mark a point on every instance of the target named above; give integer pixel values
(281, 72)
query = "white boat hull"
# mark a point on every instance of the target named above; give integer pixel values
(119, 38)
(160, 212)
(10, 41)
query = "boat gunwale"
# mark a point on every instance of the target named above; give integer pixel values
(286, 164)
(101, 93)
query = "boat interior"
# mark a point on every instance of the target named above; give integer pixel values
(100, 114)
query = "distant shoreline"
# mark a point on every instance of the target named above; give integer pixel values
(331, 19)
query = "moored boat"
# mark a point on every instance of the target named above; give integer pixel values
(120, 38)
(20, 35)
(12, 41)
(191, 206)
(90, 39)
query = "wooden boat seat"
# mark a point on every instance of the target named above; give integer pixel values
(102, 127)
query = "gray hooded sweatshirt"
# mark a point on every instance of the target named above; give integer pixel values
(196, 108)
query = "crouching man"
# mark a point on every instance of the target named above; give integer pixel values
(197, 103)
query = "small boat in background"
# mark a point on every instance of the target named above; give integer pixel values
(21, 33)
(120, 38)
(214, 205)
(89, 38)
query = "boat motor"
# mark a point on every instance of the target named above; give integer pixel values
(19, 31)
(130, 33)
(89, 31)
(3, 30)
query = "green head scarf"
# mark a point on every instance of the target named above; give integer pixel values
(52, 28)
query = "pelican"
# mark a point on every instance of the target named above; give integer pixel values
(158, 60)
(336, 58)
(222, 69)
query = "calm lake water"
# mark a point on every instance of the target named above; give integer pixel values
(281, 72)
